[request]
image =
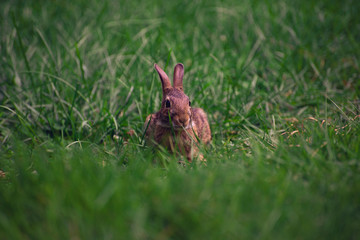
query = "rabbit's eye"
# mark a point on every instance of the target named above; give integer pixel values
(190, 103)
(167, 103)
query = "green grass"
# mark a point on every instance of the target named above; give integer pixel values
(278, 79)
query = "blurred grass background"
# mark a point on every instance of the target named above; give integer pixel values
(278, 79)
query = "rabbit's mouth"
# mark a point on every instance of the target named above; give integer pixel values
(180, 126)
(176, 126)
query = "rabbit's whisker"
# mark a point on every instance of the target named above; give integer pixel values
(176, 127)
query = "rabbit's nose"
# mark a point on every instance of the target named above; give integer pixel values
(183, 122)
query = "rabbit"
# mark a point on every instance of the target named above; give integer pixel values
(177, 126)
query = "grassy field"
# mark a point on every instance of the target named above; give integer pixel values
(278, 79)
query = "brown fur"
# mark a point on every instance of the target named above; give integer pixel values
(188, 124)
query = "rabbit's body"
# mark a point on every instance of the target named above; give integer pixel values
(177, 127)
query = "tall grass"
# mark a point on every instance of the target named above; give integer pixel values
(279, 81)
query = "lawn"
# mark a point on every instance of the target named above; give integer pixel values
(279, 80)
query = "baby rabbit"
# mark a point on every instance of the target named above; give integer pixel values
(177, 126)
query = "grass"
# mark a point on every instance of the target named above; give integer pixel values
(279, 81)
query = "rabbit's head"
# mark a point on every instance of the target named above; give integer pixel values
(175, 105)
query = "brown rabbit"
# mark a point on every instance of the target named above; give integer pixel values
(177, 126)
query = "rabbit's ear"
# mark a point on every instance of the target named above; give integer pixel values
(178, 76)
(165, 81)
